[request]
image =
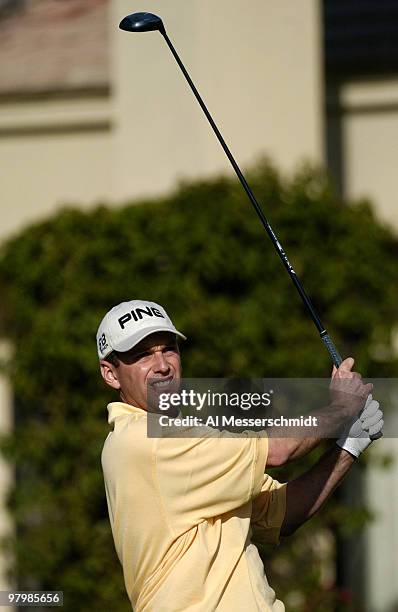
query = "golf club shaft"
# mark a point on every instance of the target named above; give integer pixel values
(336, 358)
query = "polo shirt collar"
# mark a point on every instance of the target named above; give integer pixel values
(117, 409)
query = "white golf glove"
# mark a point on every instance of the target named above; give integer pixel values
(356, 437)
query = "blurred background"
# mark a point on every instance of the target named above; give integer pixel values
(104, 156)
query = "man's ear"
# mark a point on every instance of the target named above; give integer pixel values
(109, 374)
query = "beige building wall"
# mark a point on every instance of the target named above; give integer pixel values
(53, 152)
(365, 115)
(371, 143)
(261, 78)
(258, 71)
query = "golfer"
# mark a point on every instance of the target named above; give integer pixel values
(183, 511)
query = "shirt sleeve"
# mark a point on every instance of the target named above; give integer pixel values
(268, 511)
(202, 478)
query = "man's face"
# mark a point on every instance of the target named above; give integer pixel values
(155, 361)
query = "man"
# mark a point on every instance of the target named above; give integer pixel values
(182, 510)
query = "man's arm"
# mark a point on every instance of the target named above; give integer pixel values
(302, 497)
(306, 494)
(284, 450)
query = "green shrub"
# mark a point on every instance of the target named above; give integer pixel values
(202, 253)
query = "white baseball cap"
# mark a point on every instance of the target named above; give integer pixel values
(126, 324)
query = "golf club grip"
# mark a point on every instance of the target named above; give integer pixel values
(333, 352)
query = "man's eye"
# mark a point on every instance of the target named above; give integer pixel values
(142, 355)
(170, 349)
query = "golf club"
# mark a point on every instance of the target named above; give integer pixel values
(147, 22)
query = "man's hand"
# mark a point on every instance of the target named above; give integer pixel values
(348, 395)
(347, 391)
(370, 422)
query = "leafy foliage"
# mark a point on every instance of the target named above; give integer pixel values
(202, 253)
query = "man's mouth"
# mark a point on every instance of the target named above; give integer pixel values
(161, 383)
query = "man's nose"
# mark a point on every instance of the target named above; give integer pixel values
(160, 362)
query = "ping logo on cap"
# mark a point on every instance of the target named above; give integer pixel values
(138, 313)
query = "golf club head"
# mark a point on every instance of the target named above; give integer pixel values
(142, 22)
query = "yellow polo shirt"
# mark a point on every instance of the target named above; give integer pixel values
(182, 511)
